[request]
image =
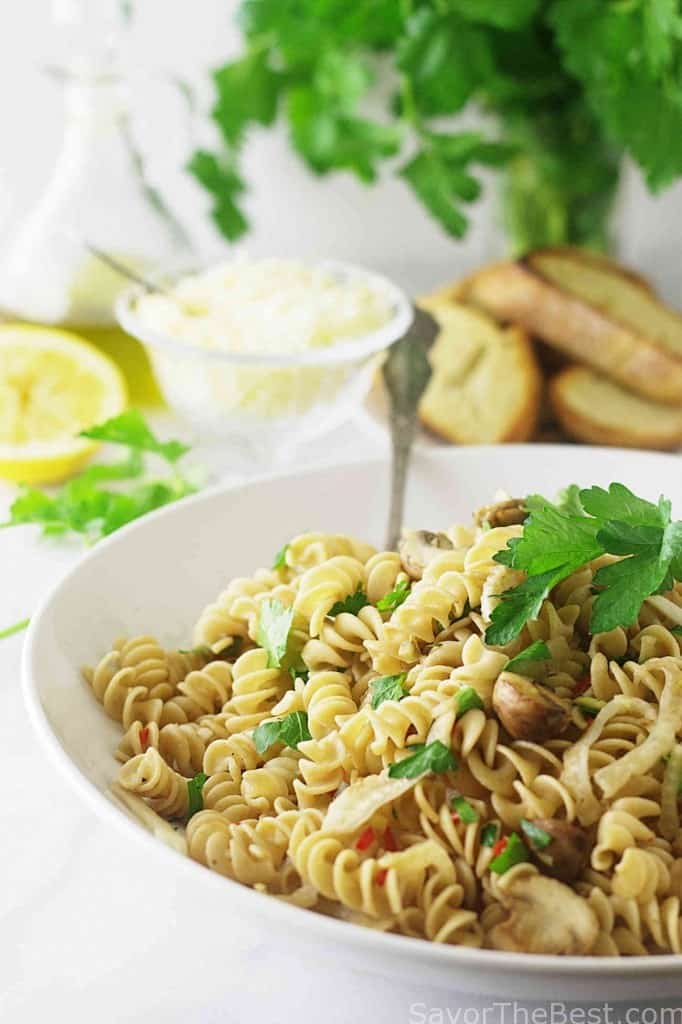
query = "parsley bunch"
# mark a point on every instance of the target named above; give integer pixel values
(558, 540)
(573, 87)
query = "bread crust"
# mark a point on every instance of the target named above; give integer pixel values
(516, 293)
(595, 429)
(588, 257)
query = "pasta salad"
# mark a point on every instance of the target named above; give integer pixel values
(475, 739)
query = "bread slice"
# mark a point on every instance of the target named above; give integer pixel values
(592, 311)
(486, 383)
(593, 408)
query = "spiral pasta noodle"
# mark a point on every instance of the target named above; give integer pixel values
(335, 739)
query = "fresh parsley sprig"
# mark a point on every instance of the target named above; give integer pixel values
(556, 542)
(84, 506)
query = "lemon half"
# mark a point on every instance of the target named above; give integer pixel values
(53, 384)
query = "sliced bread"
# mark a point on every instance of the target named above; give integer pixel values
(486, 383)
(593, 408)
(591, 310)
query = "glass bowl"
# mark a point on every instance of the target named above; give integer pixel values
(264, 405)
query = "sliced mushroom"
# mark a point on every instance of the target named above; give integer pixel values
(528, 711)
(419, 547)
(545, 916)
(566, 855)
(511, 512)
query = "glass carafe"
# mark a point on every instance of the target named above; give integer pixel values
(97, 194)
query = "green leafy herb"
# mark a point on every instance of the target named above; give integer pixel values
(17, 627)
(538, 837)
(515, 852)
(195, 788)
(676, 630)
(589, 706)
(387, 688)
(299, 673)
(394, 598)
(85, 507)
(130, 428)
(555, 543)
(467, 699)
(290, 730)
(467, 813)
(434, 757)
(351, 604)
(490, 834)
(281, 558)
(274, 624)
(537, 651)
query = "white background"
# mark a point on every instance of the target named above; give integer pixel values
(291, 212)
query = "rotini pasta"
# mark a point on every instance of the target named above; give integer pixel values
(335, 738)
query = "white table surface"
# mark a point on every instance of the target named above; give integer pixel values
(89, 936)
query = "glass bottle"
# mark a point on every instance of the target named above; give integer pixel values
(97, 194)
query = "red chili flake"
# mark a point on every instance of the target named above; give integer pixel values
(582, 685)
(381, 876)
(456, 818)
(390, 842)
(144, 736)
(365, 839)
(500, 846)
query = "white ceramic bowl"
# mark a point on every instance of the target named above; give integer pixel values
(265, 404)
(155, 576)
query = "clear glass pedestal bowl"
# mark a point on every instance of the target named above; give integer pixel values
(261, 407)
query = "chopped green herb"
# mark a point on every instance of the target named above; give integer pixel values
(537, 651)
(489, 834)
(467, 813)
(130, 428)
(389, 602)
(15, 628)
(515, 852)
(676, 630)
(538, 837)
(274, 624)
(299, 673)
(555, 543)
(589, 706)
(434, 757)
(387, 688)
(352, 604)
(468, 699)
(84, 506)
(290, 730)
(281, 558)
(195, 788)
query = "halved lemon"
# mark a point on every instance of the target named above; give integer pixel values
(53, 384)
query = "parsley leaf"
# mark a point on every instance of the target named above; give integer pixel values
(130, 428)
(537, 651)
(394, 598)
(463, 808)
(280, 559)
(552, 540)
(515, 852)
(351, 604)
(619, 503)
(518, 606)
(539, 838)
(434, 757)
(195, 793)
(467, 699)
(290, 730)
(274, 624)
(489, 834)
(387, 688)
